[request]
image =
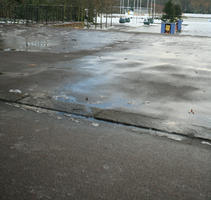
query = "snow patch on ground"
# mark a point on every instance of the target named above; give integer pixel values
(206, 143)
(197, 15)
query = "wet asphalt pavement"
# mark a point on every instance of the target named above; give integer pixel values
(147, 80)
(51, 155)
(144, 84)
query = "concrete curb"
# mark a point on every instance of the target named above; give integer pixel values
(121, 117)
(110, 115)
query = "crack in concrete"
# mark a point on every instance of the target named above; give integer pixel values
(95, 116)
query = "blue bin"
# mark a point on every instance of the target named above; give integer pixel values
(173, 26)
(179, 25)
(163, 25)
(168, 28)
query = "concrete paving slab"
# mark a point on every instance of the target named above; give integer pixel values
(149, 80)
(121, 117)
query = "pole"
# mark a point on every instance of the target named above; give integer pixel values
(96, 18)
(154, 8)
(151, 8)
(123, 6)
(101, 19)
(120, 8)
(111, 15)
(140, 2)
(148, 7)
(136, 10)
(106, 18)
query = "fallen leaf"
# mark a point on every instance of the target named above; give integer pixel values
(191, 112)
(32, 65)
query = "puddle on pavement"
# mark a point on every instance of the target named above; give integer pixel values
(65, 98)
(107, 71)
(56, 40)
(103, 102)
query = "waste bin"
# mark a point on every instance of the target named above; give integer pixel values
(179, 25)
(168, 28)
(122, 20)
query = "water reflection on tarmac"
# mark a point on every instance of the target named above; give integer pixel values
(152, 74)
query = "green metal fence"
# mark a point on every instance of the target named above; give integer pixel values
(43, 13)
